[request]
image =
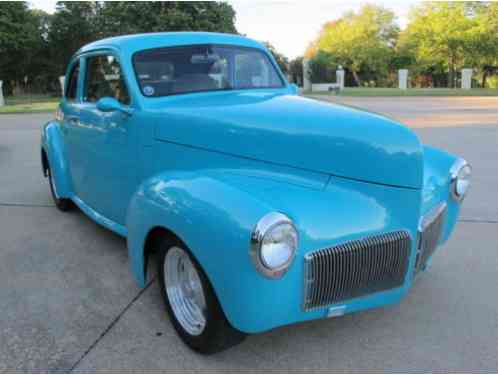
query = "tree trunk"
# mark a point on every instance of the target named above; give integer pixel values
(451, 72)
(356, 78)
(484, 77)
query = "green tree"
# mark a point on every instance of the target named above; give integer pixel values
(120, 17)
(361, 42)
(448, 36)
(322, 67)
(73, 25)
(296, 70)
(482, 41)
(20, 42)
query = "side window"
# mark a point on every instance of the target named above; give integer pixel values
(104, 77)
(253, 69)
(72, 85)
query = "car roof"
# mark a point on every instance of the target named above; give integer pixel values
(137, 42)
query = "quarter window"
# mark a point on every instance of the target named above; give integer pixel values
(104, 78)
(72, 85)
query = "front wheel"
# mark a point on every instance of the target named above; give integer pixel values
(190, 301)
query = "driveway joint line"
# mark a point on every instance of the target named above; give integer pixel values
(5, 204)
(478, 221)
(110, 326)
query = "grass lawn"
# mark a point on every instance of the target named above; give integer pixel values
(353, 91)
(29, 104)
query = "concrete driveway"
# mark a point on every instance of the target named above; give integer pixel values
(68, 301)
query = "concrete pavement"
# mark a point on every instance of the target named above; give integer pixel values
(68, 301)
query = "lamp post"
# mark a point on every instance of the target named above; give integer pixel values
(2, 101)
(403, 79)
(62, 80)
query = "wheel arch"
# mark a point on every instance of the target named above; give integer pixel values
(44, 162)
(151, 243)
(53, 156)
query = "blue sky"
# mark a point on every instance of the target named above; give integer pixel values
(288, 24)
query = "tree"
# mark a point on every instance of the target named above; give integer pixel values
(361, 42)
(73, 25)
(20, 41)
(322, 67)
(120, 17)
(296, 70)
(449, 36)
(482, 41)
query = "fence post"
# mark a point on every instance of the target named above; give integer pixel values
(403, 79)
(339, 75)
(62, 80)
(306, 75)
(466, 79)
(2, 101)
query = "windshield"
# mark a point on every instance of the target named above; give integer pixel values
(177, 70)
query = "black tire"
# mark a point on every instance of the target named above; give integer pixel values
(218, 334)
(62, 204)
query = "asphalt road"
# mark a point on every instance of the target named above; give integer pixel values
(68, 301)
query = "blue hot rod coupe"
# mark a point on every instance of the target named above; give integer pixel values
(262, 207)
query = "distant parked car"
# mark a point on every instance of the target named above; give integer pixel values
(264, 208)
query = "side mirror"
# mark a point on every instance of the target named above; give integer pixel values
(109, 104)
(294, 89)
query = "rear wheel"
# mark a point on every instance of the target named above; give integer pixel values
(192, 306)
(62, 204)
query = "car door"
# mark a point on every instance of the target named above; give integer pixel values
(111, 138)
(70, 108)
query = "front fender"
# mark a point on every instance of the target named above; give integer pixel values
(213, 217)
(52, 142)
(437, 164)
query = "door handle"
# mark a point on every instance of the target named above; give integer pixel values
(74, 121)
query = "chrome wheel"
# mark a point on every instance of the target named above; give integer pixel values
(184, 290)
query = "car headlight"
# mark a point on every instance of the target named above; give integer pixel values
(460, 179)
(274, 242)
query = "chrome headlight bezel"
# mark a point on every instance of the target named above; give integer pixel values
(460, 166)
(266, 225)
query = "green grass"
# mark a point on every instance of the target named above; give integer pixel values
(29, 104)
(353, 91)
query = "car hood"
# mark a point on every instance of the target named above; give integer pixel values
(297, 132)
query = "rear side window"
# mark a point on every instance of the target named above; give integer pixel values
(73, 82)
(104, 78)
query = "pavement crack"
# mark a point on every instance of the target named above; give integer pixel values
(110, 326)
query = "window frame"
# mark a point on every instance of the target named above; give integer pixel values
(232, 70)
(76, 63)
(104, 53)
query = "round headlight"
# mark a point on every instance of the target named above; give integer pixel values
(460, 179)
(274, 243)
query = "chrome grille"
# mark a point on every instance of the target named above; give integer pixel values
(430, 229)
(355, 268)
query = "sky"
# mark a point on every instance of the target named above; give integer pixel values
(289, 25)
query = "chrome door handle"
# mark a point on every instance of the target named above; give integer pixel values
(74, 121)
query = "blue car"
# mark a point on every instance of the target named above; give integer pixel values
(263, 208)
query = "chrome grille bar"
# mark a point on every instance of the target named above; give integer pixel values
(429, 234)
(355, 268)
